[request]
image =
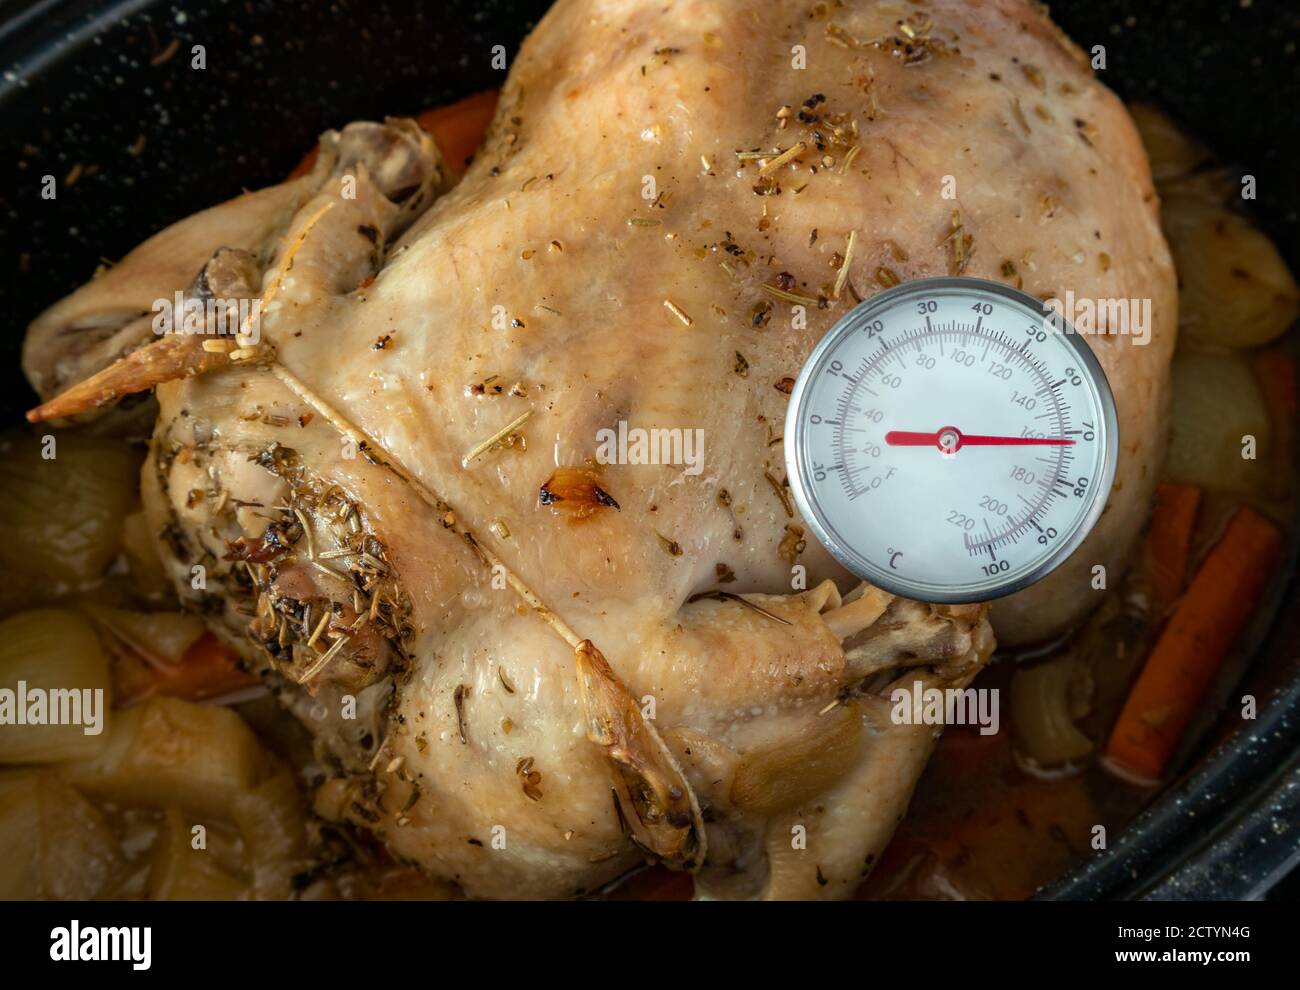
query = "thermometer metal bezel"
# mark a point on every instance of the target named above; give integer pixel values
(799, 468)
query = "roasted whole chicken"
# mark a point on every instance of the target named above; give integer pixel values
(528, 671)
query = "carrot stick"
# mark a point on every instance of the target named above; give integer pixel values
(1212, 614)
(457, 128)
(1169, 541)
(208, 670)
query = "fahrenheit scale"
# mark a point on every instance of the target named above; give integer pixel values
(948, 442)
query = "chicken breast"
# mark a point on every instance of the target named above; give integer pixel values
(397, 498)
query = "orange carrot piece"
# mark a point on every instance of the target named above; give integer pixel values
(1169, 541)
(1212, 614)
(208, 670)
(458, 128)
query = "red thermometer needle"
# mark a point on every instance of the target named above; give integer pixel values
(949, 439)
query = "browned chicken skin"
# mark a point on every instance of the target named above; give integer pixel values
(499, 645)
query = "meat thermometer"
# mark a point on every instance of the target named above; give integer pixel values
(951, 440)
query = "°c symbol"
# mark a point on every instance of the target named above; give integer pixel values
(893, 556)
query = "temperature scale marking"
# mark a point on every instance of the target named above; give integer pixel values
(974, 440)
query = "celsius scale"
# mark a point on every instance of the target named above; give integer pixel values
(951, 440)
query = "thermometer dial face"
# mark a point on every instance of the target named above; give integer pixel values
(948, 443)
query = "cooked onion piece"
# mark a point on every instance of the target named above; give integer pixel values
(64, 675)
(270, 818)
(1217, 402)
(1173, 154)
(170, 752)
(63, 516)
(1214, 186)
(57, 846)
(180, 872)
(205, 766)
(141, 547)
(1235, 290)
(1046, 700)
(162, 638)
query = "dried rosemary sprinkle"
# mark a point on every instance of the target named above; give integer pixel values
(335, 554)
(505, 681)
(1034, 75)
(531, 778)
(482, 448)
(306, 533)
(786, 156)
(960, 244)
(843, 276)
(374, 563)
(671, 547)
(459, 698)
(727, 596)
(643, 222)
(323, 660)
(379, 754)
(792, 544)
(837, 35)
(792, 297)
(782, 493)
(320, 628)
(678, 312)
